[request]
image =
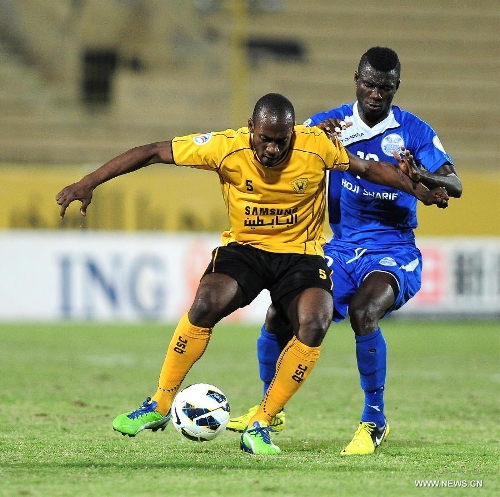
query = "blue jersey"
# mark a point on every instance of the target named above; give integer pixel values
(365, 214)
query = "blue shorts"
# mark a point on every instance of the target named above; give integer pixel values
(351, 265)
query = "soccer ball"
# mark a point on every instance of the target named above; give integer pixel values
(200, 412)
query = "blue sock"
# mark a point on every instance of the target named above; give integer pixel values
(371, 353)
(268, 351)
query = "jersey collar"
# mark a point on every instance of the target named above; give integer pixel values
(388, 123)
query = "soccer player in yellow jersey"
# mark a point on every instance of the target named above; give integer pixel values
(272, 176)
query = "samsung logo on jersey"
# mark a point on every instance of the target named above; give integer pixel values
(269, 211)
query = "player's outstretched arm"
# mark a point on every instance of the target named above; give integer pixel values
(385, 173)
(445, 176)
(131, 160)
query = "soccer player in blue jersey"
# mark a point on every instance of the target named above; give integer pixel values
(273, 181)
(376, 264)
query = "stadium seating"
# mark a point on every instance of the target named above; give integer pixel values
(182, 73)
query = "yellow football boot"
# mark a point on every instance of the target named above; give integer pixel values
(366, 439)
(240, 423)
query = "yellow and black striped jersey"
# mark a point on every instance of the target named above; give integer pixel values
(278, 209)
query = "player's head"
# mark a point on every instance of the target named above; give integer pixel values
(377, 80)
(271, 126)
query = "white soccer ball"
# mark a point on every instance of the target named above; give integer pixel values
(200, 412)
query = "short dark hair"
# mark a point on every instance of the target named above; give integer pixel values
(275, 104)
(381, 59)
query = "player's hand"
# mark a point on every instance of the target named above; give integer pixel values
(333, 127)
(77, 191)
(407, 164)
(437, 196)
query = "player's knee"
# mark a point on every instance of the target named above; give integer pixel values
(217, 296)
(313, 331)
(202, 313)
(272, 321)
(364, 319)
(208, 309)
(276, 324)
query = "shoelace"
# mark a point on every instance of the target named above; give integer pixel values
(276, 421)
(369, 427)
(263, 431)
(147, 406)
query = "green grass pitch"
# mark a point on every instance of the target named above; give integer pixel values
(61, 386)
